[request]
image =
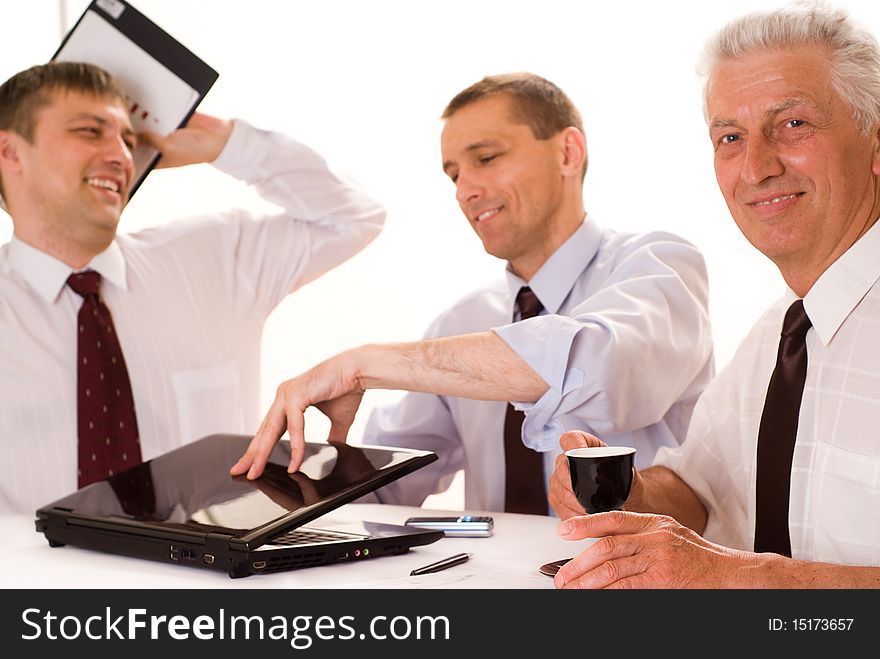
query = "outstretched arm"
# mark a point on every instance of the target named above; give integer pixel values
(479, 366)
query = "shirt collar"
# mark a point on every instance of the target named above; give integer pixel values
(48, 275)
(843, 285)
(555, 279)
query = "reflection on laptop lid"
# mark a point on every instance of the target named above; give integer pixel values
(183, 507)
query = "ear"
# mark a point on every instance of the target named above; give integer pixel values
(9, 151)
(574, 152)
(875, 161)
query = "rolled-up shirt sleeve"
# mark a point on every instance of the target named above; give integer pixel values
(628, 352)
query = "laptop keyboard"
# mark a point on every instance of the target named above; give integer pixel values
(311, 536)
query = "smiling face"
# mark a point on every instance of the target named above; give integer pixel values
(70, 184)
(798, 177)
(521, 195)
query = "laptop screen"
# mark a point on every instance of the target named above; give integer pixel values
(190, 488)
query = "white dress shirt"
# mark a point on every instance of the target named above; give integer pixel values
(624, 343)
(834, 505)
(188, 300)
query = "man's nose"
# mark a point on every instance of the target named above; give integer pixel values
(467, 188)
(761, 160)
(118, 152)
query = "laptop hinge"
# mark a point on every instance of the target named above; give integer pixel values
(236, 544)
(224, 542)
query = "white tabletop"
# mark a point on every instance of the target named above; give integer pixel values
(508, 559)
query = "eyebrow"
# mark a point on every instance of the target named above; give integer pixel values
(721, 123)
(792, 103)
(779, 108)
(469, 148)
(101, 121)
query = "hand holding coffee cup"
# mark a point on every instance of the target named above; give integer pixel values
(560, 494)
(601, 478)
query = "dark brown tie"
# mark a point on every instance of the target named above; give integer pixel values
(106, 421)
(524, 468)
(777, 434)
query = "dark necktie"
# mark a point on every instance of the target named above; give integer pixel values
(106, 421)
(524, 468)
(777, 434)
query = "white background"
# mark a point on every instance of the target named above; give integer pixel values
(364, 82)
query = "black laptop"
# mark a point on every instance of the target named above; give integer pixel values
(183, 507)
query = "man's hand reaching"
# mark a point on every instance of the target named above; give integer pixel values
(331, 386)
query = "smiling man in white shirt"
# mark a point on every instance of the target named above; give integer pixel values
(621, 347)
(794, 116)
(188, 299)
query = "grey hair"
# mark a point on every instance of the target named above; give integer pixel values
(853, 53)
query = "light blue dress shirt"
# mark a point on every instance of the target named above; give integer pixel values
(624, 344)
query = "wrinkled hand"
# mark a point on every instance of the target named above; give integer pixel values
(201, 140)
(331, 386)
(560, 494)
(636, 550)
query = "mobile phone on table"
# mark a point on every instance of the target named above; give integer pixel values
(465, 526)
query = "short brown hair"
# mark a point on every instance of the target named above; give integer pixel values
(27, 91)
(537, 102)
(22, 96)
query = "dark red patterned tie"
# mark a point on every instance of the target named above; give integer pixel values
(524, 468)
(106, 421)
(777, 434)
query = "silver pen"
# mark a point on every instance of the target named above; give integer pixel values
(457, 559)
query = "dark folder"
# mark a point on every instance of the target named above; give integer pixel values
(163, 81)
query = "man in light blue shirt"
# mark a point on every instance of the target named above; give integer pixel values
(622, 346)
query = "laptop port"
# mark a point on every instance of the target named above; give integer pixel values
(208, 559)
(258, 565)
(342, 556)
(174, 553)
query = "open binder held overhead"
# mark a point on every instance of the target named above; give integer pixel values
(164, 82)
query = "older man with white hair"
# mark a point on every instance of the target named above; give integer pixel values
(776, 484)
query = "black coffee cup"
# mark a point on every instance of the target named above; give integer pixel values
(601, 476)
